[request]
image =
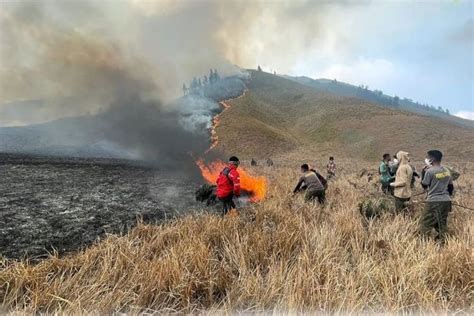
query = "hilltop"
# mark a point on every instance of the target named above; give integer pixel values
(278, 115)
(377, 96)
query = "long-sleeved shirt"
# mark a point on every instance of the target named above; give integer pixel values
(384, 171)
(310, 179)
(402, 183)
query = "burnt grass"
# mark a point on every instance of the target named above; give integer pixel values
(51, 204)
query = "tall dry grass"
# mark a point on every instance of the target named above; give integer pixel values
(280, 255)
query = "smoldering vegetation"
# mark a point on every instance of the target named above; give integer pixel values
(73, 65)
(131, 128)
(56, 203)
(53, 204)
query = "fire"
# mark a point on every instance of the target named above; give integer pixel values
(216, 122)
(256, 186)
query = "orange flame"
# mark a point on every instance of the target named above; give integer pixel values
(256, 186)
(216, 122)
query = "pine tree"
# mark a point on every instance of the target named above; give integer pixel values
(185, 89)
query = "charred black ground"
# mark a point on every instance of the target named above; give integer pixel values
(63, 204)
(50, 201)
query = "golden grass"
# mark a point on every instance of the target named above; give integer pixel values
(281, 255)
(278, 116)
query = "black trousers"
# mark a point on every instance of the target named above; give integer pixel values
(312, 195)
(227, 203)
(400, 204)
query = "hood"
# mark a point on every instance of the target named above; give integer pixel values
(403, 157)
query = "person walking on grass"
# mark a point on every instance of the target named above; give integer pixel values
(331, 168)
(228, 185)
(314, 188)
(438, 183)
(402, 184)
(385, 176)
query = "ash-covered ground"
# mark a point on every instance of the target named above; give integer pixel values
(64, 204)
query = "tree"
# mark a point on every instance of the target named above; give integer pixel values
(216, 75)
(395, 100)
(440, 109)
(211, 76)
(185, 89)
(205, 81)
(194, 83)
(199, 83)
(259, 68)
(447, 111)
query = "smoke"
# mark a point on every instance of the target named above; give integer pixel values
(128, 60)
(79, 54)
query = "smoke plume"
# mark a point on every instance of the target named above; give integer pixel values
(127, 61)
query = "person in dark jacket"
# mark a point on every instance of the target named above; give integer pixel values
(269, 162)
(314, 188)
(228, 185)
(385, 176)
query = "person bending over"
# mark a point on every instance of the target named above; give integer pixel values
(314, 187)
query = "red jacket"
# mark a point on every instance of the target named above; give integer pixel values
(228, 182)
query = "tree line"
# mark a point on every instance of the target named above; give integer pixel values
(197, 82)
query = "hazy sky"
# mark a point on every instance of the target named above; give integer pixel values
(83, 52)
(417, 49)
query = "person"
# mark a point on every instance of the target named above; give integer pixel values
(331, 168)
(314, 187)
(415, 175)
(438, 183)
(402, 184)
(384, 172)
(393, 165)
(228, 185)
(253, 162)
(269, 162)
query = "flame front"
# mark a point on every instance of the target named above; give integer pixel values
(216, 122)
(256, 186)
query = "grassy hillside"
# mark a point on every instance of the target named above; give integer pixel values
(279, 115)
(378, 97)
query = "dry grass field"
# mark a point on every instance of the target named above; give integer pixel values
(280, 255)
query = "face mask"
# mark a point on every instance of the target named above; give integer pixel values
(427, 162)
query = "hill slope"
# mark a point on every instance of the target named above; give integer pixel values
(279, 115)
(378, 97)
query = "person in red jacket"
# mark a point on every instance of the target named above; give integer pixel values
(228, 184)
